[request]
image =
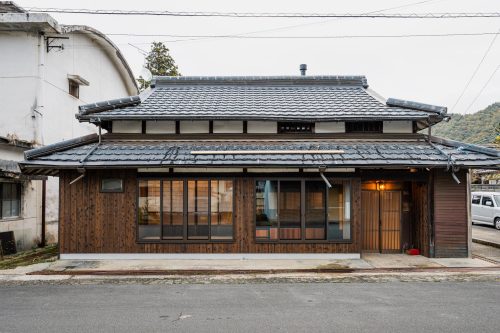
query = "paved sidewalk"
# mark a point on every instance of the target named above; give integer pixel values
(486, 235)
(369, 266)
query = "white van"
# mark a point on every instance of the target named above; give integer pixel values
(486, 208)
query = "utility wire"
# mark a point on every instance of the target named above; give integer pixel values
(475, 71)
(264, 15)
(309, 36)
(482, 89)
(288, 27)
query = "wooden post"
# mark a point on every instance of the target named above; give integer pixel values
(44, 199)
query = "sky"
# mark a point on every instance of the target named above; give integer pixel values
(432, 70)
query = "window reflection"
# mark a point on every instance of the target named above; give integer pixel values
(315, 209)
(173, 206)
(327, 211)
(149, 209)
(198, 209)
(221, 202)
(289, 212)
(266, 209)
(189, 210)
(339, 212)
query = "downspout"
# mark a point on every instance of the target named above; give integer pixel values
(37, 118)
(450, 162)
(82, 161)
(38, 109)
(322, 169)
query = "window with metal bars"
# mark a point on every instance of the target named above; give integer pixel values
(295, 127)
(363, 127)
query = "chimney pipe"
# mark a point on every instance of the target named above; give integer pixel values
(303, 69)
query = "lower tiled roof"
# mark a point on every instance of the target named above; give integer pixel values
(133, 153)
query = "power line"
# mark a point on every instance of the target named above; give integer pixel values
(265, 15)
(307, 36)
(475, 70)
(288, 27)
(482, 89)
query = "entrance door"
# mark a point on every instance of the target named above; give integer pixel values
(370, 220)
(381, 220)
(390, 208)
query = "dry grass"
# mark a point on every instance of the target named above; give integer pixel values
(30, 257)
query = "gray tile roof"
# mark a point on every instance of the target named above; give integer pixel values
(267, 98)
(135, 153)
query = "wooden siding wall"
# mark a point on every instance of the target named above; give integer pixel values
(95, 222)
(420, 231)
(450, 215)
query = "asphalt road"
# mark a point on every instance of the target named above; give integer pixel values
(314, 307)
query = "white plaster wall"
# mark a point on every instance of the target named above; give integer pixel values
(262, 127)
(20, 83)
(160, 127)
(398, 126)
(127, 126)
(83, 56)
(11, 153)
(228, 126)
(195, 126)
(329, 127)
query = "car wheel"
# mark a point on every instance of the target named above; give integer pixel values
(497, 223)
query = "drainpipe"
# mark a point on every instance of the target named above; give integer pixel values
(38, 109)
(322, 169)
(82, 161)
(37, 117)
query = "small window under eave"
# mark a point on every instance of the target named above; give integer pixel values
(75, 81)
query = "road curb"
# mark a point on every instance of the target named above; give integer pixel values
(485, 242)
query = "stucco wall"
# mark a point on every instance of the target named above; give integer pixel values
(32, 79)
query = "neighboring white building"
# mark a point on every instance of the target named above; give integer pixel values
(46, 71)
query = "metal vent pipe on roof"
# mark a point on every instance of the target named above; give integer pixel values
(303, 69)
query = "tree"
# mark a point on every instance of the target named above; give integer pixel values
(497, 138)
(159, 62)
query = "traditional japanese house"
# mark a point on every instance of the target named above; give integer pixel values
(303, 166)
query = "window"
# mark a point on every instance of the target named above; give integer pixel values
(363, 127)
(295, 210)
(197, 209)
(487, 201)
(221, 209)
(295, 127)
(10, 203)
(476, 199)
(149, 209)
(185, 210)
(173, 207)
(74, 89)
(497, 199)
(111, 185)
(289, 210)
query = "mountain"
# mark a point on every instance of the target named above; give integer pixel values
(482, 127)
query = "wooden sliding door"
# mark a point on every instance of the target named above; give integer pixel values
(381, 221)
